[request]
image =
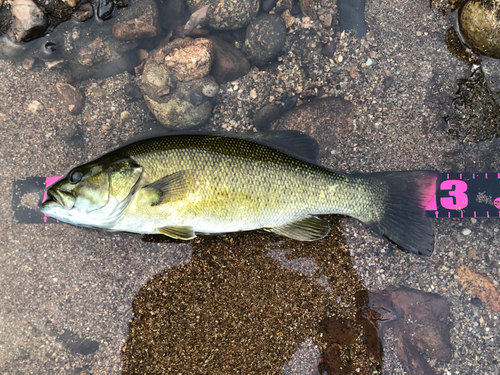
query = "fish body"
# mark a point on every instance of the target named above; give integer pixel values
(183, 185)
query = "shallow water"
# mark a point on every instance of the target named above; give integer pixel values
(78, 300)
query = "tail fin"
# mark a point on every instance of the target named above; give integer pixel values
(403, 219)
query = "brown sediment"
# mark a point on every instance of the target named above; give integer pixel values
(235, 309)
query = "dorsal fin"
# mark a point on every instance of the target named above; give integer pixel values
(291, 142)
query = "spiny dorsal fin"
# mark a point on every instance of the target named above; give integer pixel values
(308, 229)
(179, 232)
(173, 187)
(291, 142)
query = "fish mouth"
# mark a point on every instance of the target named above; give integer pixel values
(56, 197)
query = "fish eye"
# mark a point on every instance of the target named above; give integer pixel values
(76, 177)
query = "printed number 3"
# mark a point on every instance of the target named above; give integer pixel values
(457, 199)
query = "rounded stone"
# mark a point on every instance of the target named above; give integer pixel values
(264, 39)
(480, 27)
(179, 114)
(210, 88)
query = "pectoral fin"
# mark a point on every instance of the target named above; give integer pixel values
(308, 229)
(173, 187)
(179, 232)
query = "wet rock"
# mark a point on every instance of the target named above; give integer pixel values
(419, 320)
(105, 9)
(132, 91)
(97, 51)
(265, 116)
(137, 22)
(183, 108)
(29, 22)
(227, 14)
(57, 9)
(142, 56)
(478, 22)
(344, 333)
(481, 287)
(73, 99)
(84, 12)
(412, 361)
(327, 120)
(189, 59)
(265, 38)
(172, 13)
(329, 49)
(229, 62)
(176, 85)
(267, 5)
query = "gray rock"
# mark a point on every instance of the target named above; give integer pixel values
(227, 14)
(265, 38)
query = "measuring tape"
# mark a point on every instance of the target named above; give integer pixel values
(466, 195)
(458, 195)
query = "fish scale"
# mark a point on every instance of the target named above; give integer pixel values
(224, 183)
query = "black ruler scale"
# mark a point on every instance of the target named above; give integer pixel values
(466, 195)
(458, 195)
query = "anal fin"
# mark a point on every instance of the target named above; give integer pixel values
(308, 229)
(179, 232)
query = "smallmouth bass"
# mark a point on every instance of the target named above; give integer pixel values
(184, 185)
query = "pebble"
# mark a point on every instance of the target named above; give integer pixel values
(28, 63)
(466, 231)
(105, 9)
(264, 39)
(265, 116)
(84, 12)
(139, 22)
(73, 99)
(229, 62)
